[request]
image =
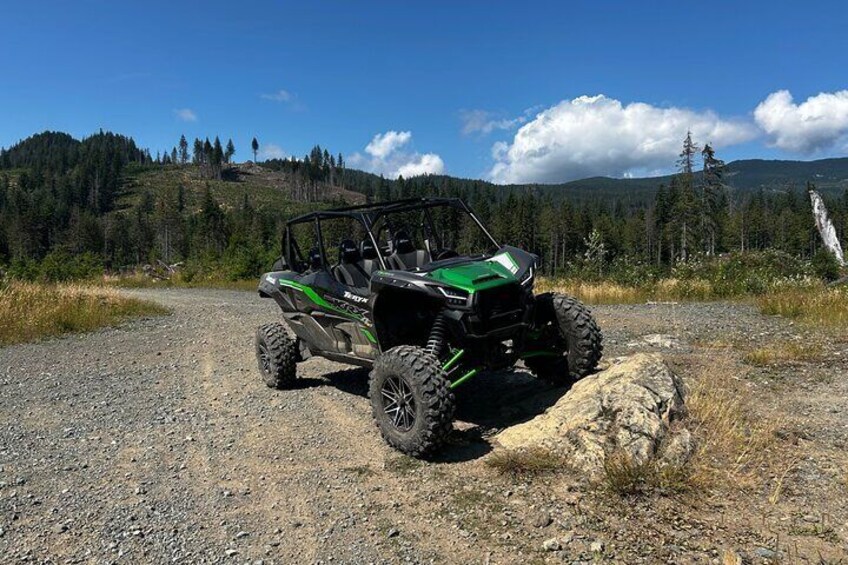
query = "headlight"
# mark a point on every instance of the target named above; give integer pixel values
(453, 296)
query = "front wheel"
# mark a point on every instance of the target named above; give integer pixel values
(411, 400)
(570, 343)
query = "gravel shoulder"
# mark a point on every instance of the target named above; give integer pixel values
(157, 442)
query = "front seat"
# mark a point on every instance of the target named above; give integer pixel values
(349, 270)
(405, 256)
(368, 254)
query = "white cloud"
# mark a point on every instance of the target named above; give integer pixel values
(596, 135)
(385, 143)
(819, 123)
(386, 155)
(271, 151)
(279, 96)
(485, 122)
(426, 164)
(185, 114)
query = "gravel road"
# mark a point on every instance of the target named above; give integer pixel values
(156, 442)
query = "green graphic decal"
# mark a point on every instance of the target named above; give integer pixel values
(315, 298)
(369, 335)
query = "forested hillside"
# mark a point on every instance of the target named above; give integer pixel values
(106, 200)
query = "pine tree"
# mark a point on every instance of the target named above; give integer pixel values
(686, 160)
(254, 145)
(197, 158)
(183, 150)
(715, 198)
(231, 150)
(687, 208)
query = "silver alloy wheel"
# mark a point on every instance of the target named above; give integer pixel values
(264, 357)
(398, 403)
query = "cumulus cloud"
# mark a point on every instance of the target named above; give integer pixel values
(384, 144)
(279, 96)
(387, 154)
(271, 151)
(597, 135)
(185, 114)
(819, 123)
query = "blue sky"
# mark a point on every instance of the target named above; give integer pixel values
(512, 91)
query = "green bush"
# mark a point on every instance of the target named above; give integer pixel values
(825, 265)
(57, 266)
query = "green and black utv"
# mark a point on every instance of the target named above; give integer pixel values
(420, 292)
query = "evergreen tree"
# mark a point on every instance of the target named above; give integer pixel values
(715, 198)
(231, 150)
(183, 150)
(254, 145)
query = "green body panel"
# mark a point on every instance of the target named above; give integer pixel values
(479, 275)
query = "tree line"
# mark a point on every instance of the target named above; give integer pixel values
(72, 197)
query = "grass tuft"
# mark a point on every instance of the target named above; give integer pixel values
(625, 476)
(788, 352)
(826, 308)
(532, 461)
(735, 443)
(32, 311)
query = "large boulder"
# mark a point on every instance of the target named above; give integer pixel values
(629, 408)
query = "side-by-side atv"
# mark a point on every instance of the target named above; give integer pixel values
(420, 292)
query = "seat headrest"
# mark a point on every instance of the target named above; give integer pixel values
(315, 261)
(348, 251)
(402, 243)
(367, 250)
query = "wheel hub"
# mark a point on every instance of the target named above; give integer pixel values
(398, 403)
(264, 358)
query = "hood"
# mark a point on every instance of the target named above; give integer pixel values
(479, 275)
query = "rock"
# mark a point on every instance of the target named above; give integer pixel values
(596, 546)
(541, 520)
(231, 552)
(678, 448)
(663, 341)
(767, 553)
(242, 534)
(551, 544)
(60, 528)
(626, 409)
(393, 533)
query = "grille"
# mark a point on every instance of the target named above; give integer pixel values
(501, 305)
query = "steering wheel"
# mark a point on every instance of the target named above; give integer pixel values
(445, 254)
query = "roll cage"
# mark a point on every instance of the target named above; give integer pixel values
(369, 215)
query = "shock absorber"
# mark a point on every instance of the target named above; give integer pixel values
(438, 335)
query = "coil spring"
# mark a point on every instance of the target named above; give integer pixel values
(436, 342)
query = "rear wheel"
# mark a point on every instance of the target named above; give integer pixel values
(570, 343)
(277, 354)
(411, 400)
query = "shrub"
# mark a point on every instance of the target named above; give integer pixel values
(825, 265)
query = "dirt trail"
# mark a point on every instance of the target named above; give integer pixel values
(157, 442)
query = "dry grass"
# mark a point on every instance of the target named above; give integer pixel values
(524, 462)
(788, 352)
(177, 281)
(735, 444)
(34, 311)
(606, 292)
(627, 477)
(821, 307)
(594, 292)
